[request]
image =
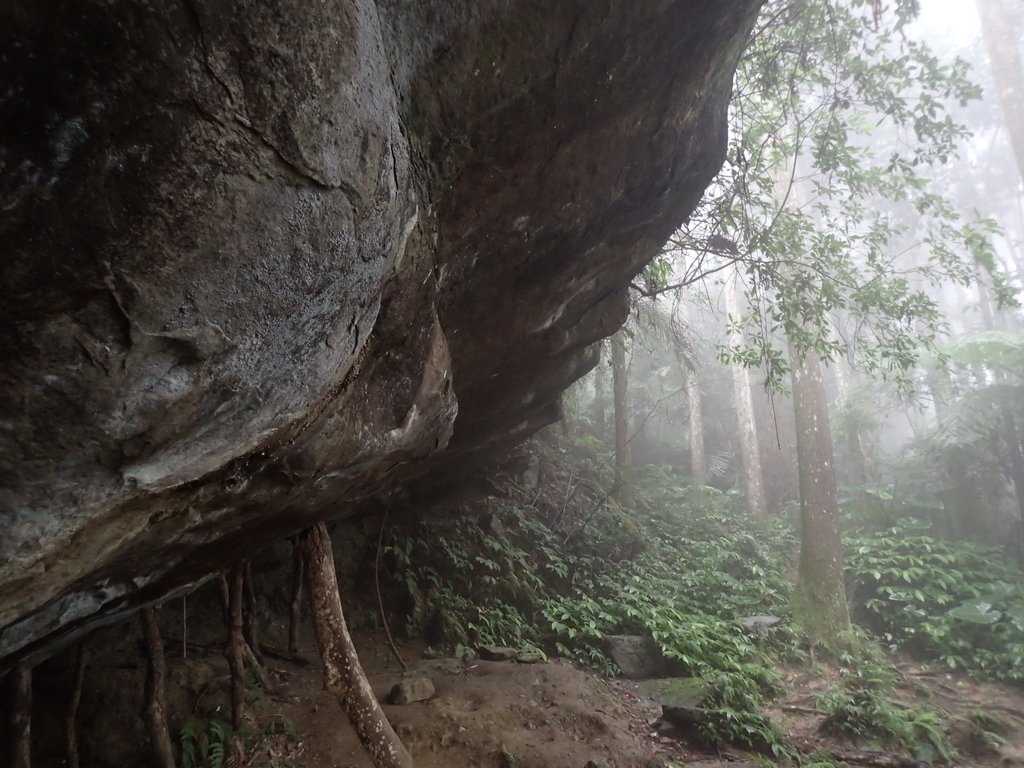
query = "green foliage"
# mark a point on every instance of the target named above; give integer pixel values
(867, 715)
(861, 708)
(957, 602)
(681, 568)
(828, 199)
(206, 746)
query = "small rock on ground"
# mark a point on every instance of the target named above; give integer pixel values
(410, 690)
(496, 653)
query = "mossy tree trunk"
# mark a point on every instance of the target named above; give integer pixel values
(155, 707)
(342, 672)
(819, 602)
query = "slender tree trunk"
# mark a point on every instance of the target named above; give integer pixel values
(155, 708)
(698, 458)
(234, 649)
(18, 747)
(600, 387)
(1002, 41)
(624, 491)
(224, 591)
(819, 603)
(295, 618)
(343, 674)
(71, 717)
(1016, 449)
(750, 450)
(698, 455)
(251, 616)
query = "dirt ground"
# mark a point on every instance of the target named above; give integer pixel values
(549, 715)
(483, 713)
(488, 714)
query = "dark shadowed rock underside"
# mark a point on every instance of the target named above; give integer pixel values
(267, 262)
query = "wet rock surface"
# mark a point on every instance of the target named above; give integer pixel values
(267, 264)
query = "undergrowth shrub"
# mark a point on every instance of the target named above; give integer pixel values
(682, 568)
(861, 707)
(957, 602)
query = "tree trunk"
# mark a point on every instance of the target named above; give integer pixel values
(1003, 45)
(623, 489)
(155, 709)
(251, 616)
(295, 617)
(750, 450)
(343, 674)
(1016, 450)
(18, 703)
(698, 459)
(698, 455)
(819, 602)
(234, 649)
(600, 398)
(71, 717)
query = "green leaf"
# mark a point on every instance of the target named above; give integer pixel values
(978, 612)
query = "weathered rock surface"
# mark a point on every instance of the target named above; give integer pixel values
(265, 263)
(411, 690)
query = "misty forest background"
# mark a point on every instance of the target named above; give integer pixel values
(816, 408)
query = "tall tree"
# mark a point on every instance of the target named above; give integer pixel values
(1003, 44)
(750, 449)
(698, 457)
(688, 368)
(600, 389)
(623, 487)
(819, 603)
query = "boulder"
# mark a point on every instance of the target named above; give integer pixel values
(636, 656)
(680, 697)
(411, 689)
(271, 264)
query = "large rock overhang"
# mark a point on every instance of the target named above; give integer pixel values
(267, 261)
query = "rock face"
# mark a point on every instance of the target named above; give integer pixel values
(267, 262)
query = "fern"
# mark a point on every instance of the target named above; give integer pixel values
(207, 747)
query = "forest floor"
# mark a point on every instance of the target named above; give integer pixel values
(553, 715)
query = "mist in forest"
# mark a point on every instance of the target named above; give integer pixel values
(867, 233)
